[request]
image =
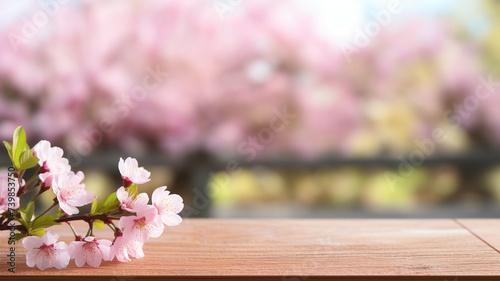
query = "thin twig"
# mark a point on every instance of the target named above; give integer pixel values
(91, 228)
(32, 179)
(72, 229)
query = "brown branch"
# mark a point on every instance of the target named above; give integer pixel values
(5, 226)
(106, 218)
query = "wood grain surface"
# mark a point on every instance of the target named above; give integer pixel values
(269, 249)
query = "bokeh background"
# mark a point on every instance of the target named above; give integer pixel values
(266, 108)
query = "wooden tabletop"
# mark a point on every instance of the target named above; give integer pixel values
(303, 249)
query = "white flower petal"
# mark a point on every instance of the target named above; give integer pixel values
(49, 238)
(43, 261)
(31, 257)
(140, 201)
(105, 248)
(171, 220)
(32, 242)
(159, 194)
(94, 258)
(61, 259)
(68, 209)
(122, 194)
(75, 249)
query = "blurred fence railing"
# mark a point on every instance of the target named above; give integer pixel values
(199, 169)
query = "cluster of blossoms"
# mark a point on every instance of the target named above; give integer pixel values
(137, 220)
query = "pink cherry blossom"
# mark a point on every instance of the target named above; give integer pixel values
(125, 247)
(52, 162)
(168, 205)
(71, 192)
(45, 252)
(132, 173)
(7, 192)
(91, 251)
(130, 202)
(146, 221)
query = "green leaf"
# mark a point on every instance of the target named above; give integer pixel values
(27, 214)
(24, 223)
(110, 204)
(99, 224)
(28, 160)
(38, 232)
(18, 145)
(8, 146)
(19, 236)
(94, 207)
(44, 222)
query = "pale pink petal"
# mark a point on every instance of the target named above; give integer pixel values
(31, 257)
(32, 242)
(159, 193)
(94, 258)
(131, 163)
(148, 211)
(80, 176)
(129, 167)
(75, 249)
(41, 150)
(86, 198)
(80, 259)
(168, 205)
(126, 222)
(119, 249)
(43, 262)
(71, 192)
(135, 249)
(121, 254)
(177, 203)
(61, 246)
(105, 248)
(61, 259)
(68, 209)
(155, 230)
(140, 201)
(50, 158)
(121, 166)
(137, 227)
(130, 170)
(89, 239)
(122, 194)
(57, 151)
(104, 242)
(141, 176)
(49, 238)
(172, 220)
